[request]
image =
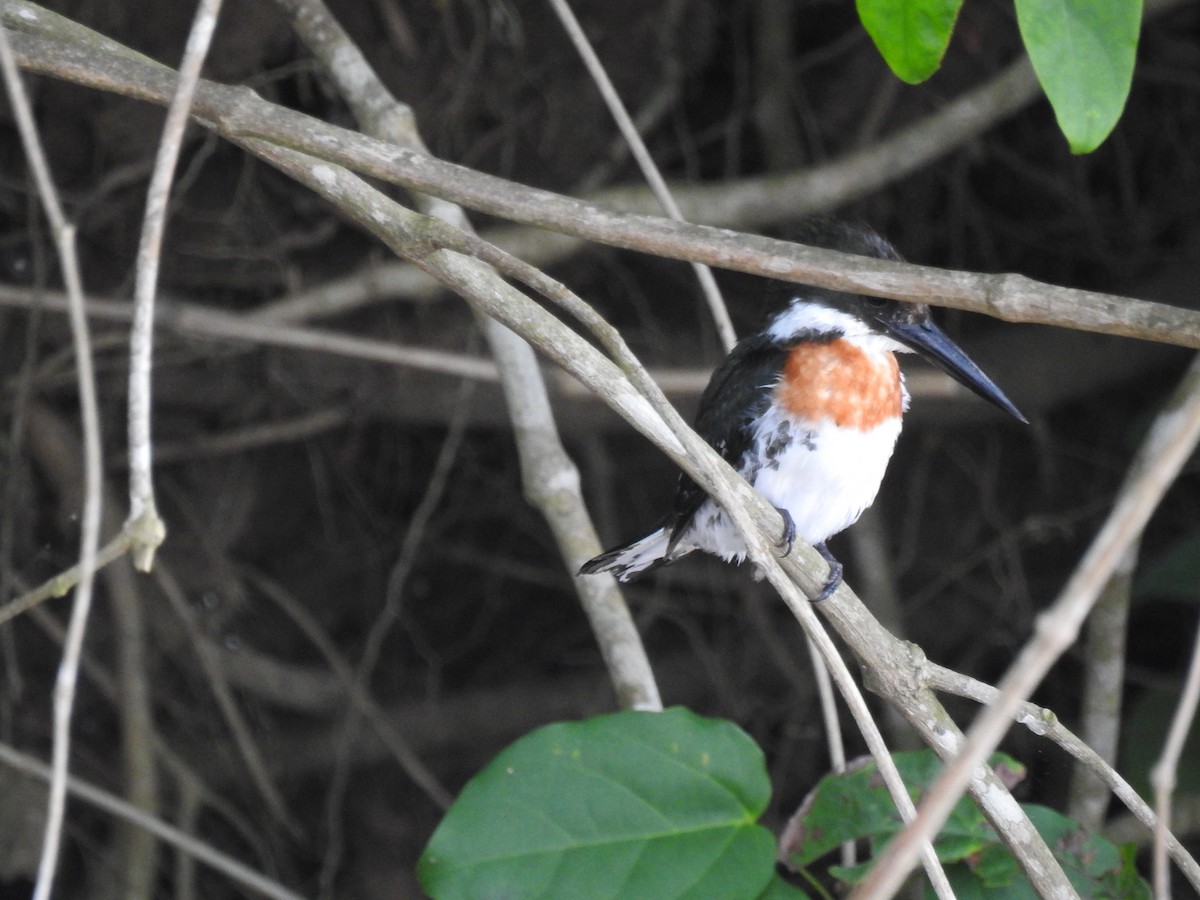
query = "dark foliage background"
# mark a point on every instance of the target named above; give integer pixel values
(983, 520)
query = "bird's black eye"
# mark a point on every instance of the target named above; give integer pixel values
(875, 302)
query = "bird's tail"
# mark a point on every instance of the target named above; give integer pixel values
(636, 558)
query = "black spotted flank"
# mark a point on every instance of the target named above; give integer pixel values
(776, 444)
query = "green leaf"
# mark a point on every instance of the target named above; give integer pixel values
(978, 865)
(654, 805)
(778, 889)
(912, 35)
(1083, 52)
(1097, 868)
(996, 870)
(1127, 882)
(857, 805)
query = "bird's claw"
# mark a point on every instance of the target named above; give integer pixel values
(835, 572)
(788, 538)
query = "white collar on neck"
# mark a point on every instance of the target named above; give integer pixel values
(803, 316)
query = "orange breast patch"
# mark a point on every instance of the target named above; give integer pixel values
(839, 381)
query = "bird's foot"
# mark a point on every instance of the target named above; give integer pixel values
(788, 538)
(835, 572)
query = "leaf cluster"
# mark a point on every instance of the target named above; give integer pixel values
(668, 804)
(1083, 53)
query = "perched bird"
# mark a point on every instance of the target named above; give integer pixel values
(808, 411)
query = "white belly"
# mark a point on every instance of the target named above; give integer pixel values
(824, 476)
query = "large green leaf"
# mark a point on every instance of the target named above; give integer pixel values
(1083, 52)
(654, 805)
(911, 35)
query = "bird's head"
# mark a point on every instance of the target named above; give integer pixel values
(875, 324)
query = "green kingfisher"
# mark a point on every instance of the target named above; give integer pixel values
(807, 410)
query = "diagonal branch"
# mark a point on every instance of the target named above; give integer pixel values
(1044, 723)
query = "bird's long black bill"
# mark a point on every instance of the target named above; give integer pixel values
(935, 345)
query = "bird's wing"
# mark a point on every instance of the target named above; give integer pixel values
(736, 396)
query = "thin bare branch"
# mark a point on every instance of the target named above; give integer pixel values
(226, 702)
(68, 671)
(60, 584)
(1102, 692)
(108, 687)
(684, 385)
(895, 670)
(658, 185)
(747, 204)
(243, 439)
(189, 318)
(150, 530)
(55, 449)
(396, 743)
(1163, 775)
(386, 619)
(184, 843)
